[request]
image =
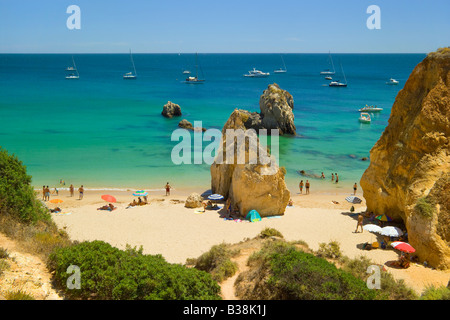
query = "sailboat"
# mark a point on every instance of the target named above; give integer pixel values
(337, 83)
(328, 71)
(281, 70)
(195, 80)
(73, 68)
(130, 75)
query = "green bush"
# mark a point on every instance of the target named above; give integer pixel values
(18, 295)
(281, 272)
(424, 207)
(17, 197)
(270, 232)
(331, 250)
(433, 293)
(217, 262)
(108, 273)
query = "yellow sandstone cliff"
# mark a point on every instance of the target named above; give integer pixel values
(409, 177)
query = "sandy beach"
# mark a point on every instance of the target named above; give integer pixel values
(166, 227)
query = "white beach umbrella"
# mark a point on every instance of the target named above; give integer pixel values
(353, 199)
(391, 231)
(372, 228)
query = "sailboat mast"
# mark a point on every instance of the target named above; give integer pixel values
(75, 66)
(342, 69)
(134, 68)
(332, 64)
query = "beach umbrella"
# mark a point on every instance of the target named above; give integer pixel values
(140, 193)
(403, 246)
(56, 201)
(372, 228)
(384, 218)
(215, 197)
(108, 198)
(391, 231)
(353, 199)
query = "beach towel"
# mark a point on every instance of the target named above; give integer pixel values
(199, 211)
(63, 213)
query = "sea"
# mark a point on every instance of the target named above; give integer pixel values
(104, 132)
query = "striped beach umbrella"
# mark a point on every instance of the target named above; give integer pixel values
(383, 217)
(215, 197)
(140, 193)
(353, 199)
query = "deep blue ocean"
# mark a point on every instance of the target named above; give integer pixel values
(106, 132)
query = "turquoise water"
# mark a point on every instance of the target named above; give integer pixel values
(103, 131)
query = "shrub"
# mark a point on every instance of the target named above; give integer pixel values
(18, 295)
(3, 253)
(424, 207)
(17, 197)
(217, 262)
(270, 232)
(331, 250)
(108, 273)
(433, 293)
(282, 272)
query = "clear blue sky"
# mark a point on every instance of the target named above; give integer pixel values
(241, 26)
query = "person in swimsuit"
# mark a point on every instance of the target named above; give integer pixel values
(71, 190)
(301, 187)
(307, 186)
(81, 191)
(360, 223)
(337, 178)
(355, 186)
(332, 177)
(168, 187)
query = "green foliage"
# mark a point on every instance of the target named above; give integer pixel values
(3, 253)
(270, 232)
(17, 197)
(331, 250)
(433, 293)
(108, 273)
(217, 262)
(424, 207)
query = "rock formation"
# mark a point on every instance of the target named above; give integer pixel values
(171, 110)
(408, 176)
(254, 184)
(187, 125)
(276, 107)
(194, 200)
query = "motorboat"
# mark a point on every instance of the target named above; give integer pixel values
(364, 117)
(392, 82)
(256, 74)
(370, 109)
(328, 78)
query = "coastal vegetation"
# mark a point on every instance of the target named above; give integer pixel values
(108, 273)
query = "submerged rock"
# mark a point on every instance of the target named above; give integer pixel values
(408, 177)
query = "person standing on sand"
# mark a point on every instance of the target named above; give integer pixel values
(71, 190)
(168, 187)
(355, 186)
(360, 223)
(307, 186)
(47, 193)
(81, 191)
(43, 193)
(301, 187)
(337, 178)
(332, 177)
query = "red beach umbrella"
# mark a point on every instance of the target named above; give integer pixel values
(108, 198)
(403, 246)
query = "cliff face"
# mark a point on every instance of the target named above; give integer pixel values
(248, 185)
(408, 177)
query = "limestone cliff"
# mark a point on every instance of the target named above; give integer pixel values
(408, 177)
(256, 186)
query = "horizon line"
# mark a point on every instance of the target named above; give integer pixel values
(214, 53)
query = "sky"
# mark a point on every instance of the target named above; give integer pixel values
(218, 26)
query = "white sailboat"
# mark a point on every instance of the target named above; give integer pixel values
(281, 70)
(73, 68)
(195, 80)
(328, 71)
(337, 83)
(131, 75)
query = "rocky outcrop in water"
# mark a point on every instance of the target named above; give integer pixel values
(256, 186)
(408, 176)
(171, 110)
(276, 107)
(184, 124)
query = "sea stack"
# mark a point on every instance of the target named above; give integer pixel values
(258, 186)
(408, 177)
(171, 110)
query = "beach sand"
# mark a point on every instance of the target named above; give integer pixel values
(166, 227)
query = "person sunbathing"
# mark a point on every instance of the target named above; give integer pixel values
(56, 210)
(132, 204)
(109, 207)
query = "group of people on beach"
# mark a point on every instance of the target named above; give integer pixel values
(46, 192)
(334, 178)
